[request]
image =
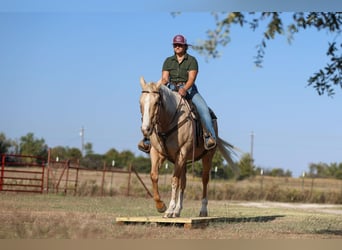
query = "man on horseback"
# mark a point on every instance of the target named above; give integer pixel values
(179, 74)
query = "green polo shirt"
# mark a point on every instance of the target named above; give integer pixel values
(179, 71)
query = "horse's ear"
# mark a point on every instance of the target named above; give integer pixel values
(142, 82)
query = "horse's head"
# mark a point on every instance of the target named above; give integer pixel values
(149, 105)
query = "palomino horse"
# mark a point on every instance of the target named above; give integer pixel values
(167, 120)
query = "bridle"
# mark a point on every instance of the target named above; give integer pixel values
(154, 121)
(163, 135)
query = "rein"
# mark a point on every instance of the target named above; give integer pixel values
(174, 128)
(162, 136)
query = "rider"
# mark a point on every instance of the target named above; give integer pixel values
(179, 73)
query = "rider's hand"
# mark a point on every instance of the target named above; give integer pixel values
(182, 92)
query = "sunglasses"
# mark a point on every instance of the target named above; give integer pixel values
(175, 45)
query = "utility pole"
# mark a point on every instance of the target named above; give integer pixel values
(82, 140)
(252, 145)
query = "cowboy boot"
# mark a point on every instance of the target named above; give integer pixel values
(209, 142)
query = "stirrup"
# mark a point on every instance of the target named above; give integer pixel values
(209, 143)
(144, 147)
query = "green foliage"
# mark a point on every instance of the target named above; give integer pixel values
(324, 170)
(218, 159)
(246, 167)
(65, 153)
(29, 145)
(126, 158)
(74, 153)
(88, 147)
(275, 172)
(93, 161)
(5, 144)
(143, 165)
(111, 156)
(324, 80)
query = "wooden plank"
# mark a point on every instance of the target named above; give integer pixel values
(192, 222)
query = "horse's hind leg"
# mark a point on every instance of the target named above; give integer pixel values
(207, 162)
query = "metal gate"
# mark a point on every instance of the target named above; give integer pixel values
(32, 174)
(22, 173)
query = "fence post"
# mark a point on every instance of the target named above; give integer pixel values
(43, 175)
(2, 170)
(48, 171)
(129, 179)
(76, 181)
(67, 178)
(103, 177)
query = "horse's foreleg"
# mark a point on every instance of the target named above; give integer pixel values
(156, 162)
(172, 204)
(179, 206)
(160, 205)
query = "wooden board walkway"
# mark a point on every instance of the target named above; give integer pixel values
(194, 222)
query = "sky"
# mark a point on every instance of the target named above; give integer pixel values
(67, 69)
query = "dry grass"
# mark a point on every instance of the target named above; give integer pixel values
(26, 216)
(95, 183)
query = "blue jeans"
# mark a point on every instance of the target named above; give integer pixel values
(201, 106)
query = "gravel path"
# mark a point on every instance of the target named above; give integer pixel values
(322, 208)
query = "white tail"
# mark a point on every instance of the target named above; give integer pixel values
(227, 150)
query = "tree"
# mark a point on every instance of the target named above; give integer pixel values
(197, 169)
(323, 170)
(143, 165)
(223, 171)
(324, 80)
(110, 156)
(60, 152)
(5, 144)
(246, 167)
(318, 170)
(338, 172)
(74, 154)
(279, 172)
(29, 145)
(93, 161)
(65, 153)
(126, 158)
(88, 147)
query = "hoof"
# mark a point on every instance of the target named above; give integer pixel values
(176, 215)
(203, 214)
(168, 215)
(161, 208)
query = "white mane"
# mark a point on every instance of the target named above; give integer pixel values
(170, 98)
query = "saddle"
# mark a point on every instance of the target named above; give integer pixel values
(199, 129)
